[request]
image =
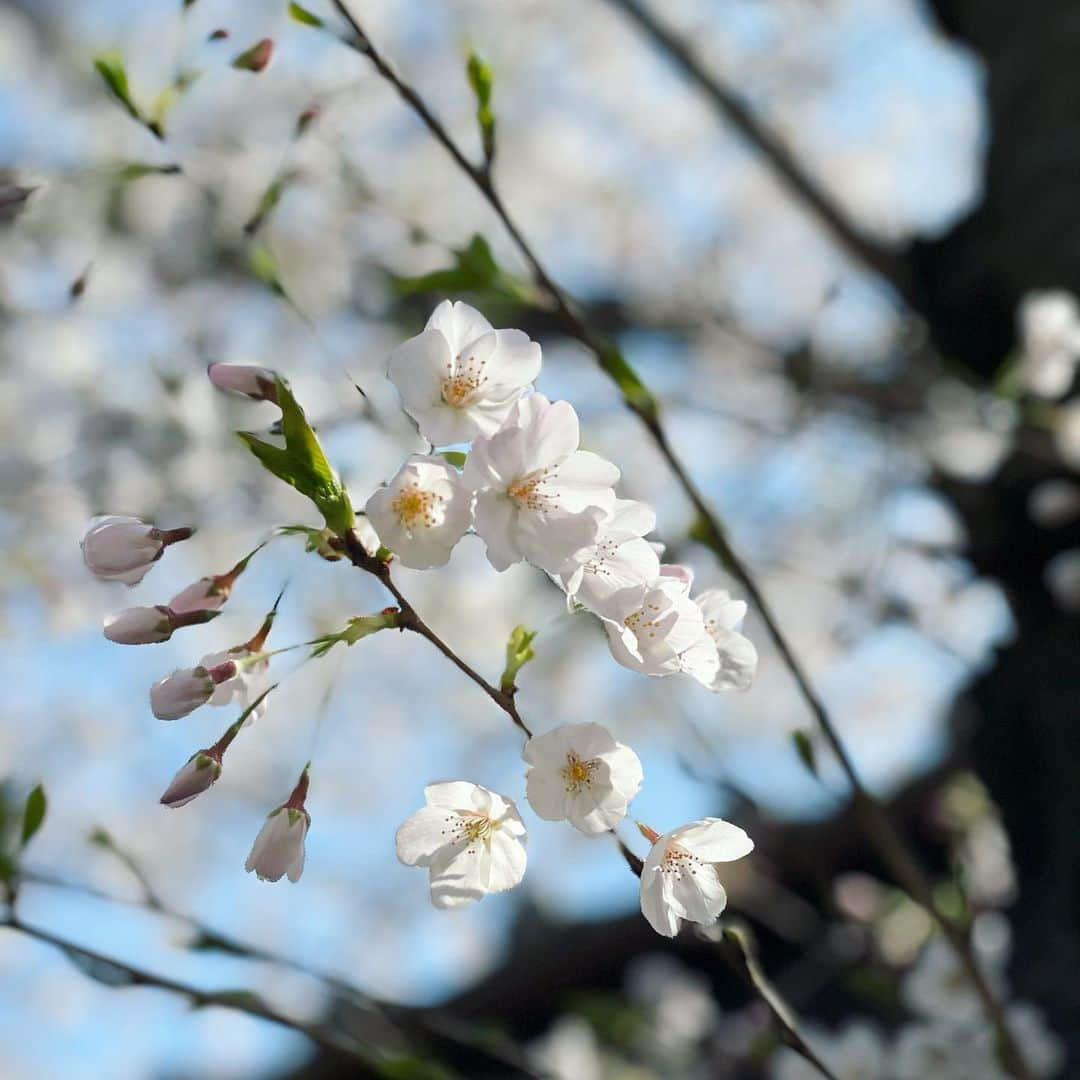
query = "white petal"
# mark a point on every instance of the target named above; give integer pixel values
(423, 835)
(714, 840)
(452, 794)
(546, 791)
(460, 874)
(656, 903)
(585, 479)
(459, 323)
(508, 860)
(496, 525)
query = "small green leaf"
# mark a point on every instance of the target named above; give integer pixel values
(270, 198)
(110, 66)
(455, 457)
(33, 814)
(208, 941)
(474, 270)
(804, 747)
(481, 80)
(519, 652)
(357, 628)
(136, 170)
(301, 462)
(302, 15)
(98, 968)
(264, 266)
(635, 393)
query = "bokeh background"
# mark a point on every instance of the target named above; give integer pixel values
(838, 383)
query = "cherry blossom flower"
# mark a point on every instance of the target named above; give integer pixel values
(119, 548)
(248, 681)
(579, 773)
(198, 775)
(210, 593)
(423, 512)
(258, 383)
(539, 497)
(619, 558)
(471, 840)
(139, 626)
(680, 880)
(736, 653)
(148, 625)
(278, 850)
(186, 689)
(655, 628)
(459, 378)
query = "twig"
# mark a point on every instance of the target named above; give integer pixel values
(901, 862)
(410, 620)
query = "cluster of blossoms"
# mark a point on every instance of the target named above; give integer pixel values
(531, 494)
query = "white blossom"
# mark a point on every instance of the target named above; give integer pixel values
(459, 378)
(619, 558)
(735, 652)
(1049, 325)
(139, 625)
(202, 595)
(199, 774)
(119, 548)
(471, 840)
(579, 773)
(255, 382)
(423, 512)
(680, 879)
(539, 497)
(655, 628)
(186, 689)
(278, 850)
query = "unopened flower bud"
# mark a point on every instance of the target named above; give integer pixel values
(256, 382)
(118, 548)
(256, 58)
(186, 689)
(278, 850)
(148, 625)
(139, 625)
(198, 775)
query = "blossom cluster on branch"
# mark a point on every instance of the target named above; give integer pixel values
(525, 486)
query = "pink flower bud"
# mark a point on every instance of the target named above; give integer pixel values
(203, 595)
(198, 775)
(256, 382)
(139, 625)
(118, 548)
(186, 689)
(278, 850)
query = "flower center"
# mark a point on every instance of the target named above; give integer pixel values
(415, 507)
(527, 492)
(462, 381)
(576, 773)
(645, 620)
(677, 860)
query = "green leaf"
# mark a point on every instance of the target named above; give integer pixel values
(136, 170)
(481, 80)
(302, 15)
(270, 198)
(455, 457)
(33, 814)
(804, 747)
(635, 393)
(301, 462)
(264, 266)
(474, 270)
(208, 941)
(110, 66)
(244, 1000)
(519, 652)
(357, 628)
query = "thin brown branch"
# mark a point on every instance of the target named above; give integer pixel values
(411, 620)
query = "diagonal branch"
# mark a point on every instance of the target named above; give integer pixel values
(783, 162)
(890, 845)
